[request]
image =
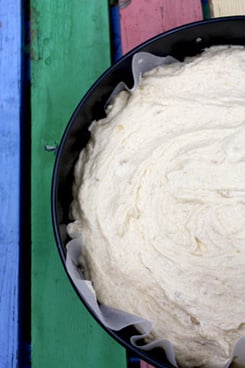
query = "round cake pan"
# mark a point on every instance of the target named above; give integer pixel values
(180, 42)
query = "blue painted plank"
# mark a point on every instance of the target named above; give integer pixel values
(9, 179)
(115, 33)
(206, 9)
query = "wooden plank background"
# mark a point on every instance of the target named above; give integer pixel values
(69, 50)
(9, 179)
(143, 19)
(222, 8)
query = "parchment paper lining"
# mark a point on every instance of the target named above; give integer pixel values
(115, 319)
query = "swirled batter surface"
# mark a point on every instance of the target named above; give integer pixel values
(160, 203)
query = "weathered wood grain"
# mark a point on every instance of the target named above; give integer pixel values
(221, 8)
(9, 179)
(70, 49)
(143, 19)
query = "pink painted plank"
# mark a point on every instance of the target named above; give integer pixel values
(145, 365)
(143, 19)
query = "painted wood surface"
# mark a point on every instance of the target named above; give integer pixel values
(9, 179)
(221, 8)
(206, 9)
(143, 19)
(145, 365)
(70, 49)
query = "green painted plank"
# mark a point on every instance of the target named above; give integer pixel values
(70, 49)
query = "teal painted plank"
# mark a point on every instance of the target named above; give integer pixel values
(70, 49)
(9, 179)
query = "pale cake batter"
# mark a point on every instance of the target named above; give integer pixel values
(160, 203)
